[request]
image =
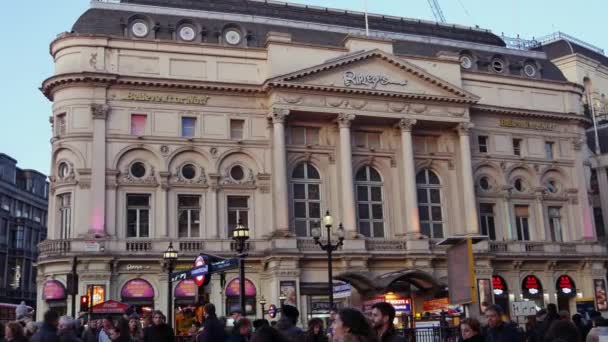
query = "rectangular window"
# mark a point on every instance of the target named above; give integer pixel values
(555, 224)
(304, 135)
(138, 215)
(238, 211)
(35, 237)
(425, 144)
(549, 152)
(521, 222)
(37, 215)
(366, 139)
(188, 211)
(60, 124)
(65, 215)
(482, 143)
(18, 208)
(3, 232)
(138, 124)
(19, 238)
(188, 127)
(486, 215)
(599, 223)
(26, 210)
(237, 129)
(517, 147)
(5, 202)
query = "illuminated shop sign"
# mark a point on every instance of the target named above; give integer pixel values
(499, 286)
(531, 286)
(565, 286)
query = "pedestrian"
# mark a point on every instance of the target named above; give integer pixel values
(330, 325)
(583, 329)
(499, 331)
(90, 333)
(213, 329)
(287, 324)
(30, 329)
(48, 331)
(67, 330)
(136, 334)
(352, 326)
(564, 315)
(383, 315)
(115, 334)
(261, 322)
(471, 330)
(315, 331)
(236, 315)
(241, 331)
(562, 331)
(13, 332)
(107, 323)
(159, 331)
(599, 332)
(268, 334)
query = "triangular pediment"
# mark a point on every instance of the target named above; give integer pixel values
(374, 73)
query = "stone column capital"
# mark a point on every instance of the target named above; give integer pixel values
(279, 115)
(345, 119)
(406, 125)
(100, 111)
(464, 128)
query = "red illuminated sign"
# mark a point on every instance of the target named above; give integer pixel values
(499, 286)
(565, 286)
(200, 261)
(531, 286)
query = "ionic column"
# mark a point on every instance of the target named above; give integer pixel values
(349, 216)
(409, 179)
(98, 171)
(470, 209)
(279, 158)
(602, 182)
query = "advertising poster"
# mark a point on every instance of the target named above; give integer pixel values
(484, 286)
(288, 289)
(599, 286)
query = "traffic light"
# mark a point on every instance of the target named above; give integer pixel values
(84, 303)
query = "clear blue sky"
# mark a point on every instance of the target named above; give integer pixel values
(31, 25)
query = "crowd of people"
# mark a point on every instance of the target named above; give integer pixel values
(345, 325)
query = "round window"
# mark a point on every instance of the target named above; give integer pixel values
(63, 170)
(189, 171)
(232, 37)
(552, 186)
(530, 70)
(498, 65)
(237, 173)
(140, 29)
(466, 61)
(138, 170)
(519, 185)
(484, 183)
(187, 33)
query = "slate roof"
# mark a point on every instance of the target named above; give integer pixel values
(564, 47)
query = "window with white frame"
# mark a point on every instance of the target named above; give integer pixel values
(188, 212)
(188, 126)
(138, 215)
(522, 217)
(482, 143)
(306, 198)
(65, 215)
(238, 212)
(517, 147)
(237, 128)
(370, 209)
(555, 223)
(364, 139)
(486, 218)
(429, 204)
(302, 135)
(549, 150)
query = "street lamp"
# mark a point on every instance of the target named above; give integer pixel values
(328, 221)
(282, 299)
(263, 304)
(170, 257)
(240, 235)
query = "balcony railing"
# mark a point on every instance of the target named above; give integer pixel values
(138, 246)
(54, 247)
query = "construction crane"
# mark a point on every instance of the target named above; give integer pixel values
(437, 12)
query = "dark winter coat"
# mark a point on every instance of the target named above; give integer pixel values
(288, 329)
(506, 332)
(392, 336)
(213, 330)
(47, 333)
(158, 333)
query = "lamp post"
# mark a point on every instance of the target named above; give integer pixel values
(263, 304)
(329, 248)
(240, 235)
(170, 257)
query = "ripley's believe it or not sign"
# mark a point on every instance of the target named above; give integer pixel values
(369, 80)
(538, 125)
(173, 99)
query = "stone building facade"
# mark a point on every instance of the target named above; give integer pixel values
(174, 120)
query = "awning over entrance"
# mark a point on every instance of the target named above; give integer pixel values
(367, 283)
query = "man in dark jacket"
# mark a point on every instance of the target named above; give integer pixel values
(383, 314)
(48, 331)
(499, 331)
(67, 330)
(213, 329)
(159, 331)
(287, 324)
(90, 333)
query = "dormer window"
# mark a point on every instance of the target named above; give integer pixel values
(498, 65)
(466, 61)
(187, 33)
(140, 28)
(233, 36)
(530, 70)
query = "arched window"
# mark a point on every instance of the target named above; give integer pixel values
(369, 202)
(429, 204)
(306, 192)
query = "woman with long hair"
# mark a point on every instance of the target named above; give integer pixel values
(13, 332)
(315, 331)
(135, 331)
(352, 326)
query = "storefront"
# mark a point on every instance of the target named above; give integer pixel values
(532, 289)
(188, 305)
(55, 295)
(501, 292)
(140, 293)
(402, 305)
(232, 296)
(566, 292)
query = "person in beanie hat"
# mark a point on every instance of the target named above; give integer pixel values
(287, 324)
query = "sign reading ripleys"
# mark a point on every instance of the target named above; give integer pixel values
(369, 80)
(538, 125)
(526, 308)
(461, 279)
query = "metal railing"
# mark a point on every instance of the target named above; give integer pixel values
(434, 334)
(138, 246)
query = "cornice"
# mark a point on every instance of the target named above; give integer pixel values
(530, 113)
